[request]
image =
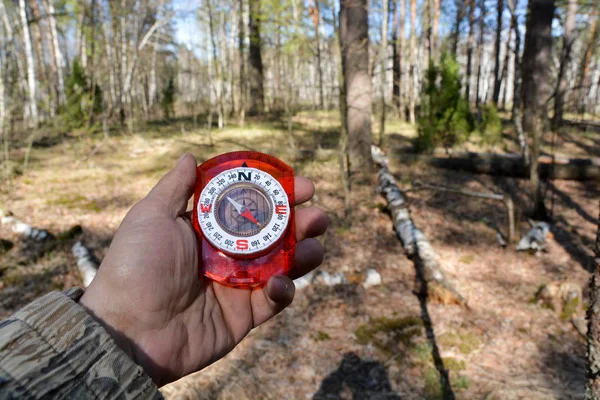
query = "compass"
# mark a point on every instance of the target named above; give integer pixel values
(243, 215)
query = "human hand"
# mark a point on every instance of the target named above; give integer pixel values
(150, 296)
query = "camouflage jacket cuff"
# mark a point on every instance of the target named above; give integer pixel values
(54, 348)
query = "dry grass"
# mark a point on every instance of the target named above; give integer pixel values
(505, 348)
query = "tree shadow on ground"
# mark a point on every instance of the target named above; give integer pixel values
(570, 203)
(593, 150)
(356, 378)
(564, 358)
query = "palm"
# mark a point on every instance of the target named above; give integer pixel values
(175, 322)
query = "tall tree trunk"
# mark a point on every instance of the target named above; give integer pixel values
(516, 107)
(435, 27)
(582, 85)
(257, 100)
(39, 37)
(343, 157)
(315, 14)
(497, 65)
(92, 63)
(592, 387)
(123, 71)
(242, 56)
(108, 48)
(470, 45)
(398, 55)
(219, 77)
(412, 91)
(504, 74)
(537, 58)
(565, 60)
(426, 24)
(59, 62)
(383, 67)
(82, 47)
(460, 14)
(31, 78)
(354, 34)
(480, 50)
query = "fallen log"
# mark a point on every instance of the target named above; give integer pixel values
(579, 169)
(39, 241)
(86, 262)
(23, 228)
(416, 245)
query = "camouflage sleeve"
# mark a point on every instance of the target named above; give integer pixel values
(52, 348)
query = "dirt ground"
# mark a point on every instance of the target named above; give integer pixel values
(342, 341)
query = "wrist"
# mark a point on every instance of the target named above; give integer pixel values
(108, 322)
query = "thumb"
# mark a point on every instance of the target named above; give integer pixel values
(177, 186)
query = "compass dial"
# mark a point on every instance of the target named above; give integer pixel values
(243, 211)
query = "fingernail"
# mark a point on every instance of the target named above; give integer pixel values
(181, 158)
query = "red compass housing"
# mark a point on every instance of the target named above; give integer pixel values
(244, 218)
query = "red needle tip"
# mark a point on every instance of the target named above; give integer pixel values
(248, 215)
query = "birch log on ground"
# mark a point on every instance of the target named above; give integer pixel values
(24, 229)
(415, 244)
(39, 241)
(86, 262)
(592, 390)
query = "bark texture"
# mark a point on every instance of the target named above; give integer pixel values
(582, 85)
(31, 78)
(354, 36)
(497, 65)
(398, 64)
(516, 107)
(255, 70)
(480, 49)
(537, 59)
(412, 92)
(383, 67)
(470, 44)
(592, 389)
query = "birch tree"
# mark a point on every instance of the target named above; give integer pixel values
(383, 67)
(412, 92)
(470, 45)
(58, 58)
(31, 78)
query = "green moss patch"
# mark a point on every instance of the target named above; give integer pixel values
(468, 259)
(75, 201)
(386, 333)
(465, 342)
(320, 336)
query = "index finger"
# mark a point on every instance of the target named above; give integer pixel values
(304, 190)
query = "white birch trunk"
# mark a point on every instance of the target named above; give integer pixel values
(31, 81)
(152, 83)
(413, 72)
(415, 244)
(86, 262)
(58, 56)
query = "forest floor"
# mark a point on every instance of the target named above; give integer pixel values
(342, 341)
